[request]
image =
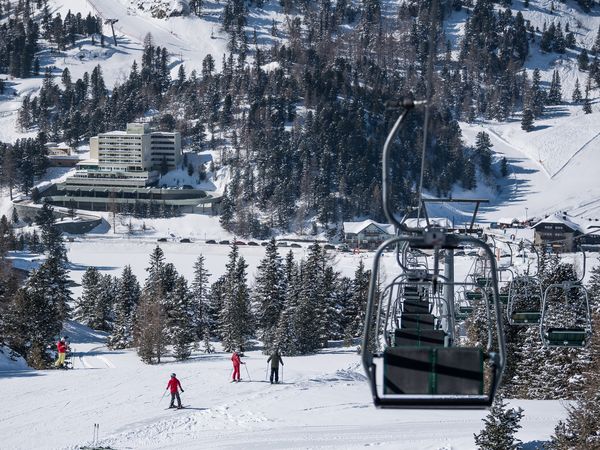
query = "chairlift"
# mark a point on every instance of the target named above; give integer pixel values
(420, 368)
(575, 307)
(524, 301)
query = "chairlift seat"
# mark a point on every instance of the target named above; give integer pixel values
(419, 338)
(417, 321)
(483, 281)
(566, 337)
(415, 307)
(473, 295)
(526, 317)
(465, 309)
(433, 371)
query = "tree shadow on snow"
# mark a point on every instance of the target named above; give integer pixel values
(19, 373)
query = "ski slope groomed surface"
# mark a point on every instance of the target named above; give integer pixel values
(323, 402)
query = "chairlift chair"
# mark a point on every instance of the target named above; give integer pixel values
(419, 369)
(577, 333)
(524, 301)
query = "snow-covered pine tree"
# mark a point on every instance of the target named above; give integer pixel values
(34, 317)
(269, 295)
(307, 317)
(576, 96)
(581, 429)
(501, 425)
(86, 305)
(126, 301)
(527, 120)
(200, 291)
(329, 314)
(155, 270)
(555, 93)
(286, 336)
(180, 323)
(357, 306)
(57, 285)
(235, 319)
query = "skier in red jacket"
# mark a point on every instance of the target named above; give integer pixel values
(235, 358)
(61, 347)
(172, 387)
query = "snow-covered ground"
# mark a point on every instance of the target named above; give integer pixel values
(323, 402)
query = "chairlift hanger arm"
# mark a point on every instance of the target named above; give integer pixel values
(407, 104)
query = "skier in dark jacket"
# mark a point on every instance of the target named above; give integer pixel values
(275, 359)
(173, 386)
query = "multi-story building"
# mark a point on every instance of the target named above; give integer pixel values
(165, 148)
(130, 158)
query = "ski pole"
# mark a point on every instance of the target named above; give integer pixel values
(163, 396)
(248, 373)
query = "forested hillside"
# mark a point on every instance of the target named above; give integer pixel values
(300, 120)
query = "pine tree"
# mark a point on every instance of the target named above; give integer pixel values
(356, 310)
(581, 429)
(483, 146)
(504, 166)
(125, 306)
(527, 120)
(269, 295)
(200, 301)
(555, 93)
(149, 331)
(180, 324)
(235, 320)
(35, 315)
(537, 94)
(501, 425)
(86, 306)
(576, 92)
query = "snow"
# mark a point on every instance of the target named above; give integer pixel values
(323, 402)
(10, 364)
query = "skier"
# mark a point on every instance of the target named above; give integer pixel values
(172, 387)
(275, 359)
(61, 347)
(235, 358)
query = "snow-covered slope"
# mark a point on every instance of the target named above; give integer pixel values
(323, 402)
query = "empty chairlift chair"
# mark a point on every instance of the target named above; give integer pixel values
(524, 306)
(566, 305)
(419, 371)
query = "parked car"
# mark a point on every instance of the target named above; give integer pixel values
(282, 244)
(211, 241)
(252, 243)
(161, 240)
(329, 247)
(239, 242)
(185, 240)
(264, 244)
(224, 242)
(459, 253)
(344, 248)
(294, 245)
